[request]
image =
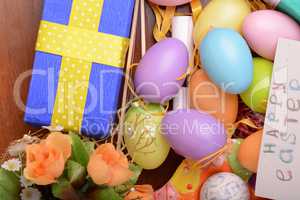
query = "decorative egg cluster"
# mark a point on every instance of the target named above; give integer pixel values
(236, 48)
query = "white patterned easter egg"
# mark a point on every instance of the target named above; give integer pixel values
(224, 186)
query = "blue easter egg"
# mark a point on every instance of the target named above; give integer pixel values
(227, 59)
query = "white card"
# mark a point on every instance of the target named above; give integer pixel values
(278, 175)
(181, 100)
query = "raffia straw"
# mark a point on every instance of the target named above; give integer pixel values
(258, 5)
(128, 71)
(206, 161)
(143, 28)
(129, 81)
(194, 64)
(163, 19)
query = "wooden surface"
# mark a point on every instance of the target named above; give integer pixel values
(19, 21)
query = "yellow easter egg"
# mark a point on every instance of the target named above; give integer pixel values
(221, 14)
(186, 179)
(143, 139)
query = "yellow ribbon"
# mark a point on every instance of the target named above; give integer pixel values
(245, 121)
(258, 5)
(163, 21)
(80, 44)
(196, 7)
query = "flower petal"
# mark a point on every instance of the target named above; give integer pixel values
(44, 163)
(123, 161)
(144, 188)
(61, 142)
(55, 169)
(108, 152)
(39, 180)
(98, 169)
(143, 192)
(119, 175)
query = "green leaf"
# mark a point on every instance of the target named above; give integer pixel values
(64, 190)
(88, 184)
(76, 173)
(7, 196)
(89, 146)
(9, 182)
(121, 189)
(79, 151)
(106, 193)
(137, 170)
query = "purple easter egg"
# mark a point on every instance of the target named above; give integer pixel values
(156, 77)
(193, 134)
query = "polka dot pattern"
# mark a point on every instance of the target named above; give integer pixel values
(86, 14)
(82, 44)
(71, 93)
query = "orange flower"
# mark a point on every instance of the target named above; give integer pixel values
(141, 192)
(108, 166)
(45, 161)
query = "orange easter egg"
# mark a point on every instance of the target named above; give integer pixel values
(249, 151)
(207, 97)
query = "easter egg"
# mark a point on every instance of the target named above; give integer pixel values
(256, 96)
(225, 186)
(156, 77)
(187, 180)
(236, 167)
(249, 151)
(143, 139)
(221, 14)
(227, 60)
(170, 2)
(207, 97)
(193, 134)
(263, 28)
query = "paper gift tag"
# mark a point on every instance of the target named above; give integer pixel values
(278, 174)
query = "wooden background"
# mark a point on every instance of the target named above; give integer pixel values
(19, 22)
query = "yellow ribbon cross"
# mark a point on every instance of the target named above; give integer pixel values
(80, 44)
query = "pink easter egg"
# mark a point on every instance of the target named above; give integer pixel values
(263, 28)
(170, 2)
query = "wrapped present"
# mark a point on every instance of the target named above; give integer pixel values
(78, 68)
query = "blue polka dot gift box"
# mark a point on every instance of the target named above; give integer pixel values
(78, 67)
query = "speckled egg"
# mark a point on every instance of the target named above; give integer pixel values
(225, 186)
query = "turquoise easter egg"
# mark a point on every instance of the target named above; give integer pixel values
(227, 59)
